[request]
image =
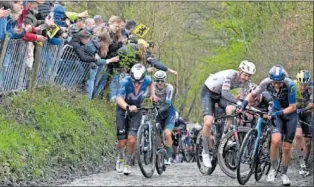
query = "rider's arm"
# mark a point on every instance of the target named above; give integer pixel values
(156, 64)
(168, 102)
(259, 89)
(152, 90)
(291, 98)
(226, 88)
(121, 95)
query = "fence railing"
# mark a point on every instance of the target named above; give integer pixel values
(15, 73)
(58, 65)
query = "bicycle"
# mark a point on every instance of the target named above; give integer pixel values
(228, 152)
(148, 137)
(255, 149)
(217, 129)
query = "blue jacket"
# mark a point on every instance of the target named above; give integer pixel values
(3, 27)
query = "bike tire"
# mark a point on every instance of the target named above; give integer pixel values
(246, 142)
(266, 167)
(198, 154)
(221, 150)
(140, 134)
(280, 159)
(160, 162)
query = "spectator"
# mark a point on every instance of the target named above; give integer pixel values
(129, 27)
(13, 30)
(98, 20)
(90, 25)
(32, 10)
(5, 11)
(44, 9)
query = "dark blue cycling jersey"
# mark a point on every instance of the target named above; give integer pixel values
(127, 91)
(180, 122)
(285, 97)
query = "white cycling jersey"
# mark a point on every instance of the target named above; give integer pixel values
(223, 81)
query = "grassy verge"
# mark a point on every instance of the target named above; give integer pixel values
(50, 133)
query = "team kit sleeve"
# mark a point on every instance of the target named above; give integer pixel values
(261, 87)
(292, 95)
(122, 88)
(226, 88)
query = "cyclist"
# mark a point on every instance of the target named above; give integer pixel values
(283, 115)
(180, 125)
(166, 110)
(216, 90)
(304, 131)
(129, 99)
(261, 102)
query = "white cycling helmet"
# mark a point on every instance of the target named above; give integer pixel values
(138, 72)
(160, 75)
(247, 67)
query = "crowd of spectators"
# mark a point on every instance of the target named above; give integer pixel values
(109, 45)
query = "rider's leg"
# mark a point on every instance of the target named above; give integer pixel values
(122, 137)
(275, 143)
(208, 109)
(307, 148)
(168, 131)
(308, 133)
(289, 129)
(299, 145)
(229, 111)
(134, 124)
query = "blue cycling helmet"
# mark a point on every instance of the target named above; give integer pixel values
(277, 73)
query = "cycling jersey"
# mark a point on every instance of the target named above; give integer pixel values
(287, 95)
(221, 83)
(164, 94)
(281, 100)
(304, 98)
(166, 111)
(127, 91)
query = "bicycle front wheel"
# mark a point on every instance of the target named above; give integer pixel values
(228, 151)
(247, 156)
(146, 150)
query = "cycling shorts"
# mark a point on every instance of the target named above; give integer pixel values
(286, 125)
(307, 129)
(167, 118)
(209, 99)
(127, 126)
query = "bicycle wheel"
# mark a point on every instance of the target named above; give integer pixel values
(246, 156)
(278, 170)
(146, 150)
(199, 160)
(160, 161)
(228, 152)
(262, 160)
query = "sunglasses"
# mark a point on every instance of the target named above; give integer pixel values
(277, 82)
(137, 82)
(162, 81)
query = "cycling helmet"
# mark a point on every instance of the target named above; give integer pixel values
(303, 76)
(160, 75)
(277, 73)
(252, 87)
(138, 72)
(247, 67)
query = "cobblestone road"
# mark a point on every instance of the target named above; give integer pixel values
(183, 174)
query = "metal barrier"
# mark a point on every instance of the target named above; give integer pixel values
(71, 70)
(15, 73)
(49, 63)
(58, 65)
